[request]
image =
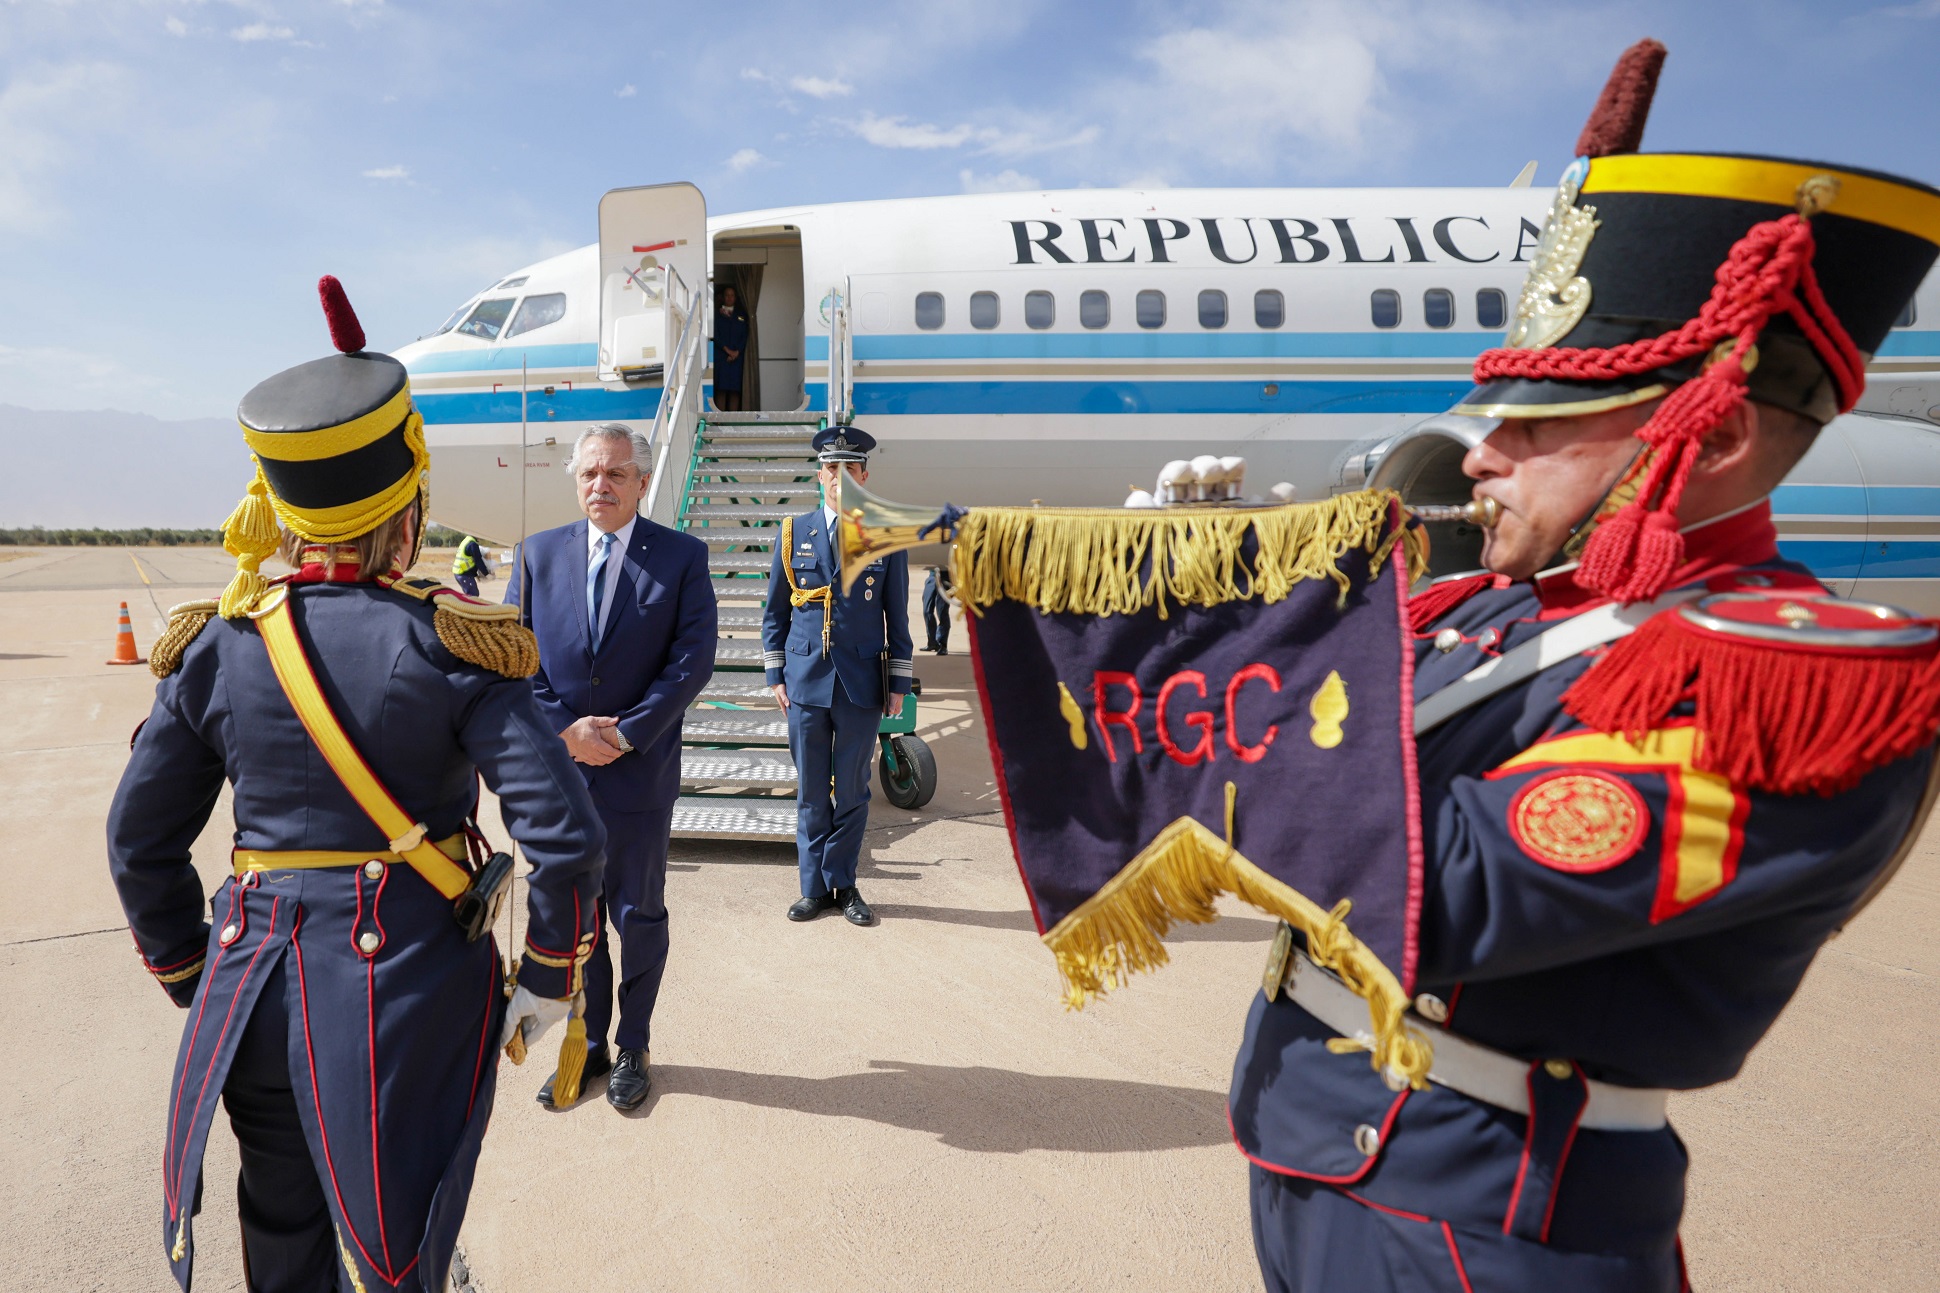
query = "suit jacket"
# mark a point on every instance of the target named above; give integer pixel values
(874, 617)
(655, 655)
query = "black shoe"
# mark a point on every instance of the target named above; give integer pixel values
(810, 908)
(627, 1089)
(599, 1062)
(856, 910)
(943, 650)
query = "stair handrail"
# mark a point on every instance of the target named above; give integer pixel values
(681, 388)
(841, 358)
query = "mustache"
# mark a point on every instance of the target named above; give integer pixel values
(603, 497)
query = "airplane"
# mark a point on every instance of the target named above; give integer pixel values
(1061, 345)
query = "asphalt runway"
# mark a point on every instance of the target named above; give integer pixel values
(905, 1107)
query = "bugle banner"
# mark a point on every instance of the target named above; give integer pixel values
(1189, 702)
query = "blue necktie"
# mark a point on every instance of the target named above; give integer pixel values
(596, 585)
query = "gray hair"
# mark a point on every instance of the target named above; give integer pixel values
(642, 447)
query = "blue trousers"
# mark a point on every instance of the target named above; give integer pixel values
(467, 584)
(1311, 1238)
(833, 747)
(634, 902)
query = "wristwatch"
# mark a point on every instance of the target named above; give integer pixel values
(626, 746)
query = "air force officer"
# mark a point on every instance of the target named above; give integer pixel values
(624, 612)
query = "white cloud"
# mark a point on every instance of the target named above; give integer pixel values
(819, 88)
(1004, 181)
(175, 26)
(895, 132)
(388, 173)
(745, 159)
(756, 74)
(625, 92)
(257, 31)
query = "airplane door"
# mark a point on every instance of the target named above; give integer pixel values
(653, 272)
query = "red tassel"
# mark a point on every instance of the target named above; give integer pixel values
(1775, 717)
(1616, 124)
(346, 334)
(1437, 600)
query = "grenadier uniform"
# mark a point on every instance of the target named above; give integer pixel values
(1634, 844)
(349, 1023)
(838, 655)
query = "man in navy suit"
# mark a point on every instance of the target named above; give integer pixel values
(837, 664)
(624, 612)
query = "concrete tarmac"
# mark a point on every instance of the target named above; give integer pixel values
(904, 1107)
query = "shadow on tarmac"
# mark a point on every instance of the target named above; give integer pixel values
(983, 1110)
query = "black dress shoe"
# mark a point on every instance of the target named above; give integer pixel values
(627, 1088)
(856, 910)
(810, 908)
(599, 1062)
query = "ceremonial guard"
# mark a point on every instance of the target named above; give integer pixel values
(1659, 765)
(837, 664)
(347, 1001)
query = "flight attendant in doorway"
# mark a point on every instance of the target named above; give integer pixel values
(730, 347)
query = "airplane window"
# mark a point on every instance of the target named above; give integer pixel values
(537, 312)
(1438, 307)
(1386, 305)
(1151, 309)
(511, 283)
(1906, 316)
(1094, 309)
(1040, 309)
(929, 310)
(456, 315)
(1212, 308)
(487, 319)
(1269, 309)
(1491, 307)
(983, 309)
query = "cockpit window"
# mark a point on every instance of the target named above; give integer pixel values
(456, 315)
(487, 319)
(511, 283)
(537, 312)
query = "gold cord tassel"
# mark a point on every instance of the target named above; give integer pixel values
(249, 535)
(1100, 561)
(572, 1061)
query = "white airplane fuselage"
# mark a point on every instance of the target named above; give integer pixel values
(1062, 346)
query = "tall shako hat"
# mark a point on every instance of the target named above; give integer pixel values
(339, 449)
(1710, 278)
(843, 443)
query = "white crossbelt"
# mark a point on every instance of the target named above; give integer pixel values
(1569, 638)
(1461, 1065)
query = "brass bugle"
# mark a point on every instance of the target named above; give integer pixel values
(869, 527)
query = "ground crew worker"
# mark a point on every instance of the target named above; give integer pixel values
(837, 664)
(1631, 851)
(347, 1020)
(469, 563)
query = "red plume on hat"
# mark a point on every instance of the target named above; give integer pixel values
(345, 332)
(1616, 124)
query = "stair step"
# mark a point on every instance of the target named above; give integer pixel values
(737, 768)
(740, 651)
(741, 617)
(726, 563)
(706, 725)
(764, 535)
(738, 689)
(771, 417)
(743, 493)
(793, 436)
(756, 472)
(742, 512)
(715, 817)
(792, 453)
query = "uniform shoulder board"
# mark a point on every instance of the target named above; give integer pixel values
(487, 634)
(1795, 691)
(184, 623)
(412, 586)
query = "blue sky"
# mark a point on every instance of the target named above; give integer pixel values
(174, 175)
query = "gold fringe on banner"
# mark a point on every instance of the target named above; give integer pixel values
(1117, 932)
(1116, 561)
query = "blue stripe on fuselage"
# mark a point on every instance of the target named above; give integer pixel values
(590, 404)
(1163, 345)
(506, 359)
(1856, 501)
(1054, 397)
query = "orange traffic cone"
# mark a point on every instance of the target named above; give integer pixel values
(125, 641)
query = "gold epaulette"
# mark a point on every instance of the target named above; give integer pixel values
(184, 623)
(487, 634)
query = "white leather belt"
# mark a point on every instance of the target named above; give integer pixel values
(1461, 1065)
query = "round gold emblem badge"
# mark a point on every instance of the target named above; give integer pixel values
(1579, 821)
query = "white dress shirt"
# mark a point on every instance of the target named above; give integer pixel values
(614, 559)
